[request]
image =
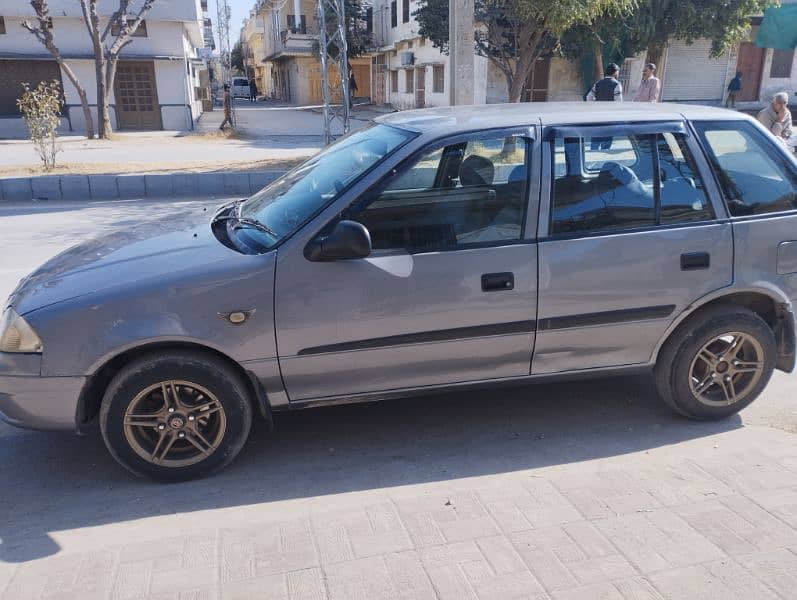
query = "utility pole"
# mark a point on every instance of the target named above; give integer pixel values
(223, 16)
(460, 64)
(333, 51)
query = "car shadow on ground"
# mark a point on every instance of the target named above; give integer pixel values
(55, 482)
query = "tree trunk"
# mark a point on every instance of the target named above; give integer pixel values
(103, 110)
(597, 60)
(84, 99)
(523, 67)
(516, 85)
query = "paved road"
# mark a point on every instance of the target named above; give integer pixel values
(274, 120)
(574, 491)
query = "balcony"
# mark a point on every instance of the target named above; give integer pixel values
(291, 42)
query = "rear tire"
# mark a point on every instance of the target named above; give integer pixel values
(717, 363)
(176, 415)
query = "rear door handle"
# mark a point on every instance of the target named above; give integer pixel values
(694, 261)
(498, 282)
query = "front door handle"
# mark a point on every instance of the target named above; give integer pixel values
(498, 282)
(694, 261)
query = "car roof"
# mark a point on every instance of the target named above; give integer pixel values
(451, 120)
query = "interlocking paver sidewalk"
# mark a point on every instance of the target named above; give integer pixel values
(727, 531)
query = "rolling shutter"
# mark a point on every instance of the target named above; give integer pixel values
(691, 73)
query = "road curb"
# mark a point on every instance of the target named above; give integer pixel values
(119, 187)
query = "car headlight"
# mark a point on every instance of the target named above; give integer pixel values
(16, 335)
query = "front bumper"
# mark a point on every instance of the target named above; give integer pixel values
(34, 402)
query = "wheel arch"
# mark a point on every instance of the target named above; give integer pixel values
(767, 302)
(88, 406)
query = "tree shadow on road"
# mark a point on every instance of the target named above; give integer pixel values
(56, 482)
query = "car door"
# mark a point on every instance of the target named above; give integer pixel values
(632, 233)
(448, 293)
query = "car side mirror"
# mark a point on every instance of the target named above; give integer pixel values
(347, 240)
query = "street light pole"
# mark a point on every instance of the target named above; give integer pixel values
(460, 41)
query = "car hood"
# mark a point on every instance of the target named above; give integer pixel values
(153, 249)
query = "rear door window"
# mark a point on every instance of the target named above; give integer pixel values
(755, 176)
(611, 183)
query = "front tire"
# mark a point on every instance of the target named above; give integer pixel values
(717, 363)
(176, 415)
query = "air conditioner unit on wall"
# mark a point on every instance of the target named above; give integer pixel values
(407, 59)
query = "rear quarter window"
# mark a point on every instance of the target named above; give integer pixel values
(754, 174)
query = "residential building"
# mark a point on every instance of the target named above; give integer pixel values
(408, 71)
(290, 49)
(252, 44)
(158, 76)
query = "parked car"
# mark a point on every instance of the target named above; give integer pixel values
(240, 87)
(432, 250)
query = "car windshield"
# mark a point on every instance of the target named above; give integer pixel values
(287, 203)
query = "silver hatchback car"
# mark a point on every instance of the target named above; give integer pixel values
(432, 250)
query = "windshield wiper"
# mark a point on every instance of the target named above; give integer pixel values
(244, 222)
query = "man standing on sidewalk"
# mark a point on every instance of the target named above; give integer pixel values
(650, 88)
(227, 107)
(607, 89)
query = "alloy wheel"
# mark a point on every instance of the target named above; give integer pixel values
(727, 369)
(174, 423)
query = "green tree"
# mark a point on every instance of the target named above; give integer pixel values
(724, 22)
(513, 34)
(358, 40)
(237, 57)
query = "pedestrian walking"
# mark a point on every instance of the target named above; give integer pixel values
(227, 107)
(650, 87)
(352, 87)
(734, 87)
(777, 117)
(252, 90)
(608, 89)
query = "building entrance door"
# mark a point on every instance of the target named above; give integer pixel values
(137, 96)
(751, 64)
(420, 87)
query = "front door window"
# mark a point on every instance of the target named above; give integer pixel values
(463, 194)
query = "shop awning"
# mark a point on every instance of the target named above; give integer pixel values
(779, 28)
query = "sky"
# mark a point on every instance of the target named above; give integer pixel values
(240, 10)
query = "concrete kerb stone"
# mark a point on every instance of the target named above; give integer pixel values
(104, 187)
(46, 188)
(131, 186)
(113, 187)
(210, 184)
(159, 186)
(185, 184)
(75, 187)
(236, 183)
(17, 188)
(259, 180)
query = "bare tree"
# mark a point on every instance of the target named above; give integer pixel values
(41, 31)
(107, 47)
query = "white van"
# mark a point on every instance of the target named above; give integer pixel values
(240, 87)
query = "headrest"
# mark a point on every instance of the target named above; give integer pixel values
(476, 170)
